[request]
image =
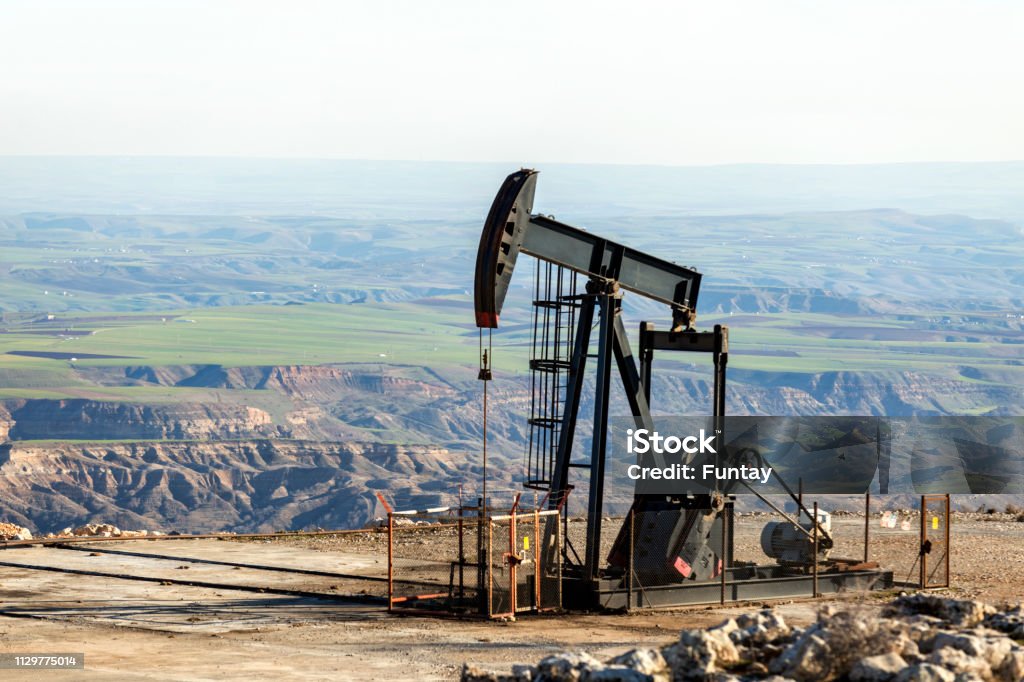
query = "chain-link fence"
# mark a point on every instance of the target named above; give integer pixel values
(432, 563)
(455, 562)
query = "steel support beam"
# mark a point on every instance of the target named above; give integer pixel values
(573, 393)
(646, 358)
(588, 254)
(715, 342)
(636, 392)
(609, 304)
(741, 585)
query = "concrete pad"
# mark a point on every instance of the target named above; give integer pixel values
(25, 592)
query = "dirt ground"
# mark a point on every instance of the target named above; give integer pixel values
(146, 630)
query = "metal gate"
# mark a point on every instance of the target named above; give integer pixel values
(935, 520)
(518, 577)
(430, 566)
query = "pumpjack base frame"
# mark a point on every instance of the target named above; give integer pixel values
(743, 583)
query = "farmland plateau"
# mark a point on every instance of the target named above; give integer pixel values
(163, 319)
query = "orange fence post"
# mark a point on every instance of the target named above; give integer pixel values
(391, 560)
(536, 558)
(923, 578)
(949, 549)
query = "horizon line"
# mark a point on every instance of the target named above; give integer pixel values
(733, 164)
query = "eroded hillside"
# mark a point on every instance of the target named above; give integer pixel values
(327, 439)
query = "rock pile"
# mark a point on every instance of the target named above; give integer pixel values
(381, 523)
(916, 638)
(11, 531)
(101, 530)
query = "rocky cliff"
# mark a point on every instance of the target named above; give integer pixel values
(306, 381)
(790, 393)
(91, 419)
(255, 485)
(337, 434)
(6, 422)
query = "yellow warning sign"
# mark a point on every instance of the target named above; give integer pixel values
(935, 523)
(526, 543)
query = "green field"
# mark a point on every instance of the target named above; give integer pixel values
(373, 263)
(437, 335)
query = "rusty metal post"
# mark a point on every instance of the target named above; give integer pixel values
(391, 560)
(949, 550)
(721, 558)
(559, 543)
(489, 570)
(481, 557)
(462, 556)
(629, 565)
(513, 563)
(867, 524)
(815, 521)
(923, 564)
(536, 557)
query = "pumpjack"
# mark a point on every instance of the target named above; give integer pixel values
(683, 543)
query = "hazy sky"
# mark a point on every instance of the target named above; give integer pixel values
(677, 82)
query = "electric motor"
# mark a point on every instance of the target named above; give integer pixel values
(784, 542)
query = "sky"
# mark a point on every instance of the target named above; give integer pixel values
(676, 83)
